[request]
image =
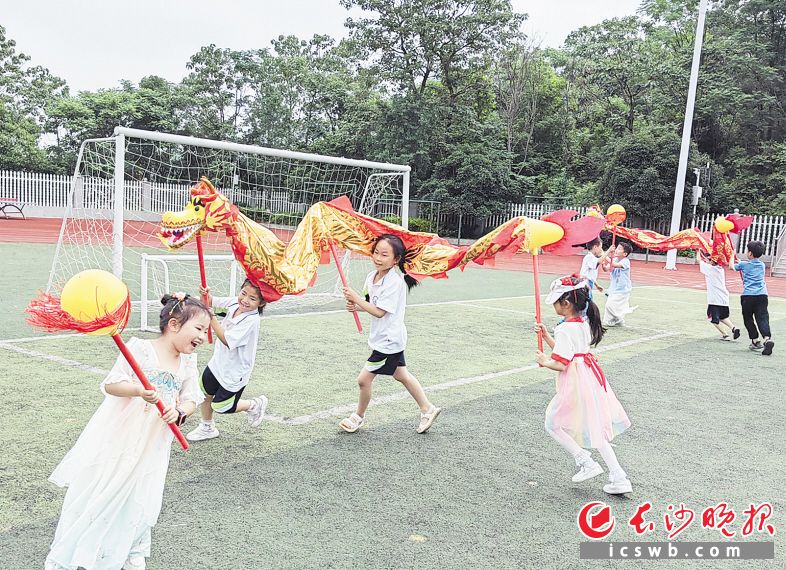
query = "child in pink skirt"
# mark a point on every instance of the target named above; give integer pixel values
(585, 413)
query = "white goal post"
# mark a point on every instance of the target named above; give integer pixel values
(123, 184)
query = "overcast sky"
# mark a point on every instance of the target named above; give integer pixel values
(96, 43)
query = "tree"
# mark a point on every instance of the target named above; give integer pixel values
(614, 64)
(417, 41)
(217, 91)
(25, 93)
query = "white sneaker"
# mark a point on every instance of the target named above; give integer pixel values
(619, 487)
(587, 471)
(203, 432)
(135, 563)
(257, 412)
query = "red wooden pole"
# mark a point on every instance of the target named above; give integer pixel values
(536, 275)
(147, 385)
(344, 281)
(203, 279)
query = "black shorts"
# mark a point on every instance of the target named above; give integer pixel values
(224, 401)
(716, 313)
(380, 363)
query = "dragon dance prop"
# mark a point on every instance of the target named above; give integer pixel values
(554, 233)
(615, 215)
(718, 246)
(344, 282)
(93, 302)
(203, 279)
(279, 268)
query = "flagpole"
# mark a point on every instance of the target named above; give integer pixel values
(679, 186)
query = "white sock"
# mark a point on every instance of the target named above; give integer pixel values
(616, 472)
(209, 423)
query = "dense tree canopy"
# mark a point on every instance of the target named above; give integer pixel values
(453, 88)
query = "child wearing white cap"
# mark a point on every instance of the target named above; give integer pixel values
(584, 413)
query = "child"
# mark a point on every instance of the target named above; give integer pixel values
(618, 303)
(116, 470)
(229, 370)
(385, 293)
(754, 298)
(592, 260)
(584, 413)
(717, 296)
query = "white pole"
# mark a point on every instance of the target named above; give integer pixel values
(405, 201)
(117, 225)
(221, 145)
(679, 186)
(143, 295)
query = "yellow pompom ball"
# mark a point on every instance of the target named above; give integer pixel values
(540, 233)
(92, 294)
(722, 225)
(616, 214)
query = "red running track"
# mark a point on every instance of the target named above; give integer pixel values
(47, 230)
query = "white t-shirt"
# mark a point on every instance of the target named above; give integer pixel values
(232, 365)
(388, 333)
(715, 276)
(571, 338)
(589, 267)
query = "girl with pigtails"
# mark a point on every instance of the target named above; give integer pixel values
(584, 414)
(385, 299)
(115, 472)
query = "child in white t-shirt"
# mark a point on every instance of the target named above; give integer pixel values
(385, 292)
(229, 370)
(717, 297)
(591, 263)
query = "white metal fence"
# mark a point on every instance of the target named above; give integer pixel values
(51, 191)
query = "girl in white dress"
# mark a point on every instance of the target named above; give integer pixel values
(585, 413)
(116, 470)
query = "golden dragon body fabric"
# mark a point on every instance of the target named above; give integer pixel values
(280, 268)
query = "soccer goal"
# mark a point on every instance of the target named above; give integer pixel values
(124, 183)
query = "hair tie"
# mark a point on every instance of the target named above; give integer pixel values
(181, 298)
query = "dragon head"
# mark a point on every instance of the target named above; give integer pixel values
(208, 210)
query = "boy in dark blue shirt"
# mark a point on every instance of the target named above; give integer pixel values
(754, 299)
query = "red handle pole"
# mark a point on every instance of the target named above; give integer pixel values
(344, 281)
(203, 279)
(147, 385)
(536, 275)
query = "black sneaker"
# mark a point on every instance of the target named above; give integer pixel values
(756, 345)
(735, 333)
(768, 345)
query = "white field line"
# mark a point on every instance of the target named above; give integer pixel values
(530, 313)
(59, 360)
(287, 316)
(409, 306)
(348, 408)
(403, 395)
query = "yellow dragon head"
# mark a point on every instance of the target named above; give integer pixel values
(208, 210)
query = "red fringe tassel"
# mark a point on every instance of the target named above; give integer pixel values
(46, 313)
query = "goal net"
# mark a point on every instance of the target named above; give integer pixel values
(123, 184)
